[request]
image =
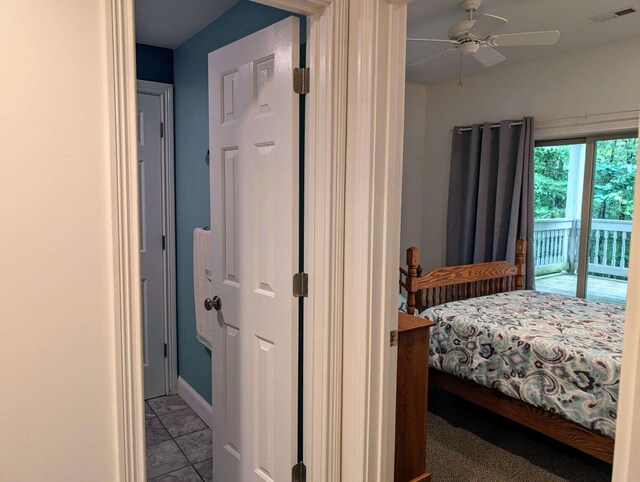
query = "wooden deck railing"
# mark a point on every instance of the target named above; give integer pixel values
(556, 244)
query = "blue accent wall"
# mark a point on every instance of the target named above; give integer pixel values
(154, 63)
(192, 174)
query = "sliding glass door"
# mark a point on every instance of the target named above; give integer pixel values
(558, 182)
(583, 208)
(611, 210)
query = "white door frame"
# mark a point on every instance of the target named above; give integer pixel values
(346, 271)
(353, 186)
(165, 93)
(325, 158)
(626, 464)
(377, 35)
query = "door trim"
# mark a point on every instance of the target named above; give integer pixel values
(325, 167)
(626, 464)
(121, 73)
(376, 32)
(165, 92)
(375, 125)
(585, 218)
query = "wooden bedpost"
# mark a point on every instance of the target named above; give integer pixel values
(413, 262)
(521, 263)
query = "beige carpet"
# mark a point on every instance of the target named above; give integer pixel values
(468, 443)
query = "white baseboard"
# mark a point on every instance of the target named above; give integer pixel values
(195, 401)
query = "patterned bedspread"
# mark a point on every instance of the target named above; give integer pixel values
(556, 352)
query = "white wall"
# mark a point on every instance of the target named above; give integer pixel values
(57, 349)
(593, 81)
(415, 124)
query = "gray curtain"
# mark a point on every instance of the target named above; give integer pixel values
(491, 194)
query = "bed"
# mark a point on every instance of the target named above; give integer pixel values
(547, 361)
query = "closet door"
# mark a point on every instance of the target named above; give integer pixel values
(152, 281)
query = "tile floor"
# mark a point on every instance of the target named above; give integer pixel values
(178, 442)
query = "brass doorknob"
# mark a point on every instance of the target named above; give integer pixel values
(210, 304)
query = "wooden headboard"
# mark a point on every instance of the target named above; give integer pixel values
(462, 282)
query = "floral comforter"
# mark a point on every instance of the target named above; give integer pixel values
(556, 352)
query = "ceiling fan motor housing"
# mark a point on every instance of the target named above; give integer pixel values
(460, 30)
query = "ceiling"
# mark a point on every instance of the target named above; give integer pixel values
(432, 19)
(168, 23)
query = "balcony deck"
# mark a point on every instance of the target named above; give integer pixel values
(598, 289)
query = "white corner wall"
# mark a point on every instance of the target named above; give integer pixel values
(591, 81)
(57, 349)
(415, 125)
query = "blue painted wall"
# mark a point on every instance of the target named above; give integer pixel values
(154, 63)
(192, 174)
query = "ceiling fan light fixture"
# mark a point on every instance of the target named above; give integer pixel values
(469, 48)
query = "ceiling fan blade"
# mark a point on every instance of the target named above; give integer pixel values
(431, 57)
(487, 25)
(525, 39)
(488, 56)
(432, 40)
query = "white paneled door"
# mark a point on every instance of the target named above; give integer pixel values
(254, 138)
(151, 249)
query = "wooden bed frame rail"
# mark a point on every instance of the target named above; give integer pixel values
(550, 424)
(455, 283)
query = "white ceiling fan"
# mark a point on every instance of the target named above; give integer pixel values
(477, 37)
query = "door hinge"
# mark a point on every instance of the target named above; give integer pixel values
(165, 350)
(301, 285)
(299, 473)
(301, 80)
(164, 242)
(161, 129)
(393, 338)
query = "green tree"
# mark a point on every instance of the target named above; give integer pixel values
(613, 182)
(551, 173)
(614, 178)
